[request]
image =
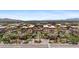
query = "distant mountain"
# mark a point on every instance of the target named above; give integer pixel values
(62, 21)
(39, 21)
(69, 19)
(9, 20)
(72, 19)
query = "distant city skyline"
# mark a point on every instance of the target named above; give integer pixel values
(39, 14)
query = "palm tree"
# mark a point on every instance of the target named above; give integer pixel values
(18, 29)
(58, 31)
(38, 37)
(6, 38)
(38, 29)
(44, 35)
(13, 36)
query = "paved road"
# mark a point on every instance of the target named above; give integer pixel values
(23, 46)
(44, 44)
(64, 46)
(38, 46)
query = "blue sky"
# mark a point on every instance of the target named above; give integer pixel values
(39, 14)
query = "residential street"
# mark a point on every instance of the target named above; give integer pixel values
(44, 44)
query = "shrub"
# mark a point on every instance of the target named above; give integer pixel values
(6, 40)
(74, 39)
(1, 35)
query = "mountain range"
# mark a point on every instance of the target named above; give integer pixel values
(15, 20)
